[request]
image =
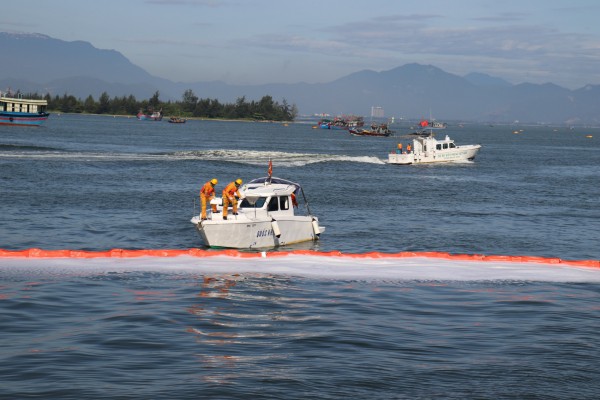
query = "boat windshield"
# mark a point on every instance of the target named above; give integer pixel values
(251, 202)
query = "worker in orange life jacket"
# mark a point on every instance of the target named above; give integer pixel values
(207, 193)
(230, 193)
(408, 148)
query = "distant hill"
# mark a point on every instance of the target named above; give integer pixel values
(77, 68)
(479, 79)
(39, 63)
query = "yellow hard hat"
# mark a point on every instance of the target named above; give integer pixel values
(214, 181)
(238, 181)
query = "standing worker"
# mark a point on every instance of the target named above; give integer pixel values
(229, 196)
(408, 148)
(207, 193)
(399, 151)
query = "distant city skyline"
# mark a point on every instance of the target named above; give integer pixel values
(377, 112)
(267, 41)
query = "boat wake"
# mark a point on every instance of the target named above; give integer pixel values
(251, 157)
(282, 159)
(45, 153)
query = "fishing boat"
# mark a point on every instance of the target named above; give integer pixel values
(266, 218)
(376, 130)
(20, 111)
(177, 120)
(154, 116)
(344, 122)
(427, 149)
(426, 126)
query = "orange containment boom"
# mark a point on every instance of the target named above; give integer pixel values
(194, 252)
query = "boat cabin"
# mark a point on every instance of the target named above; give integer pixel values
(20, 105)
(444, 146)
(425, 144)
(274, 199)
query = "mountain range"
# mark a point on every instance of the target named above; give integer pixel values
(39, 63)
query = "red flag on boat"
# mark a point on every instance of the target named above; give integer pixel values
(270, 168)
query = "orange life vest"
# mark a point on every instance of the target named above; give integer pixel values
(207, 190)
(230, 190)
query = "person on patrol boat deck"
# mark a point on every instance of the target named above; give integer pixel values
(229, 196)
(207, 193)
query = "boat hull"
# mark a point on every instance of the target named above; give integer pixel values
(333, 127)
(244, 233)
(146, 117)
(366, 132)
(458, 154)
(23, 119)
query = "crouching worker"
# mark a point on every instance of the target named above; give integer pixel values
(230, 195)
(207, 193)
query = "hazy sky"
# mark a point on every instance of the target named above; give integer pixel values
(284, 41)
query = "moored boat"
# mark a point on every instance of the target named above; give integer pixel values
(266, 218)
(376, 130)
(426, 127)
(344, 122)
(427, 149)
(20, 111)
(154, 116)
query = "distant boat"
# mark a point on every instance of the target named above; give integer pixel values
(376, 130)
(426, 125)
(344, 122)
(20, 111)
(177, 120)
(155, 116)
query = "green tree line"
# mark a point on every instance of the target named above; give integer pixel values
(189, 106)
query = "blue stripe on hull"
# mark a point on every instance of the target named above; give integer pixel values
(25, 119)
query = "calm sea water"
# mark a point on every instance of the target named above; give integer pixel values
(159, 330)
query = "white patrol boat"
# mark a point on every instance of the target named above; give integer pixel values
(265, 218)
(427, 149)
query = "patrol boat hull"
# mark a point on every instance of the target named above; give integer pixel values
(244, 233)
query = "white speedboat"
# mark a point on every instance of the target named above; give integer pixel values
(266, 218)
(427, 149)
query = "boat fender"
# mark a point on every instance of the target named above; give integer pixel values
(315, 226)
(275, 226)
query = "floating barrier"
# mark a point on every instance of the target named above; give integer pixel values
(195, 252)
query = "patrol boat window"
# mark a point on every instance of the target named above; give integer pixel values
(283, 203)
(273, 204)
(259, 202)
